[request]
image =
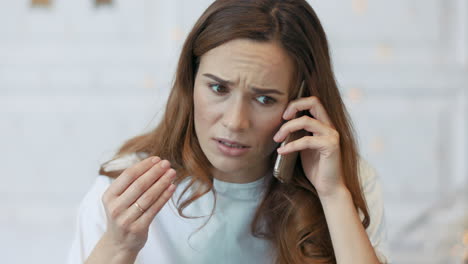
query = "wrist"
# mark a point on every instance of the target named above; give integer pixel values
(338, 196)
(107, 251)
(121, 253)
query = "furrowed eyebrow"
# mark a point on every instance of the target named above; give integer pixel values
(216, 78)
(255, 89)
(266, 91)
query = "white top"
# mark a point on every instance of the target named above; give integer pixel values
(225, 237)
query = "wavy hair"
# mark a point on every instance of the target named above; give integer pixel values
(290, 216)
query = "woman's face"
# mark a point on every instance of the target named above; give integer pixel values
(240, 92)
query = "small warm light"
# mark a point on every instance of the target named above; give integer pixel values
(465, 238)
(355, 95)
(384, 52)
(359, 6)
(176, 33)
(103, 2)
(41, 3)
(455, 250)
(377, 145)
(148, 82)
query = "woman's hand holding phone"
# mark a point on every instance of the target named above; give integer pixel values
(319, 149)
(284, 166)
(132, 201)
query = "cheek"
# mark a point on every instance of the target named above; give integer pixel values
(267, 128)
(197, 110)
(272, 121)
(265, 136)
(204, 112)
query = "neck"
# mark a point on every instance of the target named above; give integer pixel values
(241, 176)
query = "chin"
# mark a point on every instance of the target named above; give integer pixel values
(227, 165)
(237, 164)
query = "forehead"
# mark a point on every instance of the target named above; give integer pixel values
(261, 63)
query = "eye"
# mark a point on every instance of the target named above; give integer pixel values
(217, 88)
(266, 100)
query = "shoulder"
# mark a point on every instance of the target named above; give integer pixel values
(125, 161)
(370, 185)
(91, 202)
(369, 180)
(372, 190)
(367, 173)
(100, 184)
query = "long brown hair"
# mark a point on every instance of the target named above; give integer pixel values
(290, 216)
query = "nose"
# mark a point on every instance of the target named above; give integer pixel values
(236, 116)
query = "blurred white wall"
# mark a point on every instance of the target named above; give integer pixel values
(77, 79)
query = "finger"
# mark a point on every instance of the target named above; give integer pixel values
(304, 122)
(130, 175)
(143, 183)
(320, 143)
(148, 216)
(147, 199)
(311, 103)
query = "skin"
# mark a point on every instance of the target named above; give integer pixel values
(237, 112)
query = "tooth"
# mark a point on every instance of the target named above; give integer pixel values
(231, 145)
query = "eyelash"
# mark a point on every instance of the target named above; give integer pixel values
(271, 99)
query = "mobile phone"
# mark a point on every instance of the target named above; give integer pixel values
(284, 165)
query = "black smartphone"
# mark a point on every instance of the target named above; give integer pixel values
(284, 165)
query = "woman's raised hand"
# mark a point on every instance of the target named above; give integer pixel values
(133, 200)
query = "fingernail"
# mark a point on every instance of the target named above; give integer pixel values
(170, 174)
(275, 138)
(155, 159)
(173, 175)
(165, 164)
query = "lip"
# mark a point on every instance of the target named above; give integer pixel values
(228, 151)
(232, 142)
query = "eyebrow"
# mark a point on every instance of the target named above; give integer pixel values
(255, 89)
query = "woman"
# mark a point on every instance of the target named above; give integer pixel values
(230, 107)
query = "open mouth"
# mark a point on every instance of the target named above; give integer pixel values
(231, 145)
(231, 148)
